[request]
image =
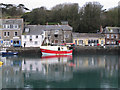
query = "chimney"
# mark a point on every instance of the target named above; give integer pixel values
(46, 23)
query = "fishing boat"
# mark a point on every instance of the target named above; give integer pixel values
(56, 50)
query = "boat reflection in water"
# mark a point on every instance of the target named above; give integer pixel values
(79, 71)
(49, 68)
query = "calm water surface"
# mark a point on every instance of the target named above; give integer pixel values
(77, 71)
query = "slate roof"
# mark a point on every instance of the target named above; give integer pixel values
(38, 29)
(87, 35)
(115, 30)
(34, 30)
(18, 21)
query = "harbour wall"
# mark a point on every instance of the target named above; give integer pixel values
(96, 50)
(25, 50)
(76, 50)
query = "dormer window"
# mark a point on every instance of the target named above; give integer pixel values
(27, 29)
(111, 30)
(56, 31)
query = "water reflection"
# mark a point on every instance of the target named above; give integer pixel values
(48, 68)
(11, 72)
(0, 74)
(83, 71)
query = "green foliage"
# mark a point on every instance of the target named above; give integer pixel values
(85, 19)
(90, 17)
(111, 17)
(10, 10)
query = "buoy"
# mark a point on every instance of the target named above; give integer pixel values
(1, 63)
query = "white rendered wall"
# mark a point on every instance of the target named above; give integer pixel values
(31, 43)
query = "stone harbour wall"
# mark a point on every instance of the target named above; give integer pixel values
(96, 50)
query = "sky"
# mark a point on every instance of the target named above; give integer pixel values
(31, 4)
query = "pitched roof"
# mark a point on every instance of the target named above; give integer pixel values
(38, 29)
(87, 35)
(33, 30)
(53, 27)
(12, 21)
(114, 30)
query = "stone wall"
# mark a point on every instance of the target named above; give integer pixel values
(96, 50)
(26, 50)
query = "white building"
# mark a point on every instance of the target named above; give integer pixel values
(32, 36)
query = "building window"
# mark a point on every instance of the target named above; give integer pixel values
(15, 34)
(112, 36)
(19, 26)
(116, 36)
(4, 33)
(11, 26)
(36, 36)
(42, 36)
(4, 26)
(76, 42)
(30, 37)
(80, 42)
(25, 36)
(102, 41)
(108, 42)
(66, 36)
(31, 66)
(8, 33)
(8, 26)
(112, 42)
(36, 42)
(107, 35)
(88, 41)
(15, 26)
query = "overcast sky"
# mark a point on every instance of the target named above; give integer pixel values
(31, 4)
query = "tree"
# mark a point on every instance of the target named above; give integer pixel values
(36, 16)
(66, 12)
(13, 10)
(111, 17)
(90, 17)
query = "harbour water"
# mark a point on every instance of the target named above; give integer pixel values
(73, 71)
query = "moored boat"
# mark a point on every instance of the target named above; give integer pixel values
(56, 50)
(1, 63)
(4, 52)
(10, 53)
